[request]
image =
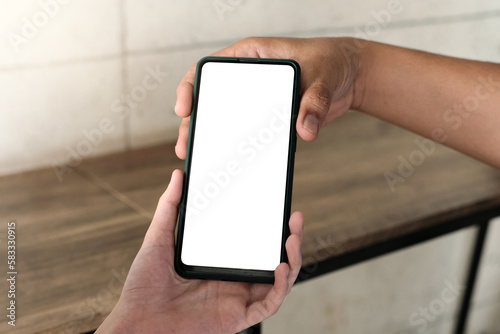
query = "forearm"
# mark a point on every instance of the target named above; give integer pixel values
(452, 101)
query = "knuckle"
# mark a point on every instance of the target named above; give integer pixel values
(250, 40)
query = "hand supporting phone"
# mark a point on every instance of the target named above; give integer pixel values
(233, 220)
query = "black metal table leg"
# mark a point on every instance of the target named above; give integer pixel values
(471, 279)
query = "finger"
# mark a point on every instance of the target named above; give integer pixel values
(181, 146)
(185, 89)
(296, 223)
(263, 309)
(185, 94)
(161, 230)
(313, 109)
(293, 247)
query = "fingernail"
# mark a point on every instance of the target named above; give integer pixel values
(311, 123)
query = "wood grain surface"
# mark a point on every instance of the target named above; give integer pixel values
(77, 238)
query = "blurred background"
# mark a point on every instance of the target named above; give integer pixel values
(75, 72)
(65, 67)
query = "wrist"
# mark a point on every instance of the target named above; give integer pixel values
(119, 321)
(359, 57)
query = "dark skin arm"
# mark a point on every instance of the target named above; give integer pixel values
(450, 100)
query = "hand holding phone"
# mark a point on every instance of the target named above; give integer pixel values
(155, 298)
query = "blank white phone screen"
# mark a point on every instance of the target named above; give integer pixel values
(236, 192)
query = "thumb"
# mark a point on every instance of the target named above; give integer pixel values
(314, 107)
(161, 229)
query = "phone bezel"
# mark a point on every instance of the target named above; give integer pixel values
(234, 274)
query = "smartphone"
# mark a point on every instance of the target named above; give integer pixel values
(233, 220)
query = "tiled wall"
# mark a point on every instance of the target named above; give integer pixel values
(71, 80)
(66, 65)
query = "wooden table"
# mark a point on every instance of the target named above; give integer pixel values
(77, 238)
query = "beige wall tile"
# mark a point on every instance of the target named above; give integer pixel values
(45, 110)
(163, 24)
(469, 39)
(61, 30)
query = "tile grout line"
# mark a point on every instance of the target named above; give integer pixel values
(429, 21)
(55, 63)
(97, 181)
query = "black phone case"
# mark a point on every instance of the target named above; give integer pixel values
(233, 274)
